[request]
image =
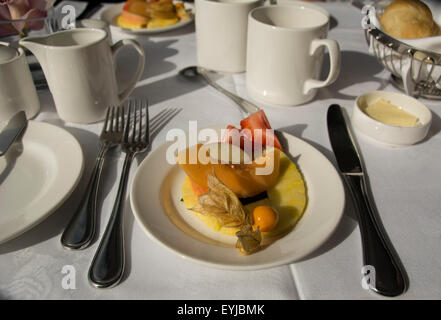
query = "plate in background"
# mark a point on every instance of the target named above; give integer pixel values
(110, 14)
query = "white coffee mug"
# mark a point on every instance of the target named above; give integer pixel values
(221, 33)
(79, 66)
(17, 89)
(285, 53)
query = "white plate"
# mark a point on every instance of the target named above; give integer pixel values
(36, 177)
(110, 14)
(156, 190)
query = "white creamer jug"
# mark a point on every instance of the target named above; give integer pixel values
(79, 66)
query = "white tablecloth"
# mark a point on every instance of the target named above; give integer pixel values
(405, 183)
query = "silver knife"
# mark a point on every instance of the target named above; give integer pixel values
(12, 130)
(381, 263)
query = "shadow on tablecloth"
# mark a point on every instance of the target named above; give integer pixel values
(356, 68)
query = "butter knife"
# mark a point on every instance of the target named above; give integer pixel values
(12, 130)
(378, 255)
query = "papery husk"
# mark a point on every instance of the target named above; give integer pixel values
(248, 240)
(223, 203)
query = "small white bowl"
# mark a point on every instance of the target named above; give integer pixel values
(390, 134)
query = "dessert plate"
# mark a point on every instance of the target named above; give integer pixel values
(110, 14)
(156, 203)
(36, 177)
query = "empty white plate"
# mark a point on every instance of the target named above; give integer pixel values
(156, 195)
(36, 177)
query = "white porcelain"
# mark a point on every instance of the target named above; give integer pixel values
(221, 33)
(285, 53)
(389, 134)
(156, 189)
(79, 67)
(96, 24)
(36, 177)
(111, 13)
(17, 89)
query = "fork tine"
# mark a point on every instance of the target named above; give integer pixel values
(147, 123)
(126, 127)
(106, 121)
(140, 121)
(134, 122)
(121, 124)
(112, 119)
(116, 123)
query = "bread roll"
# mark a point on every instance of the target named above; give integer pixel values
(409, 19)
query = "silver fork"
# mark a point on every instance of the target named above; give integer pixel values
(81, 229)
(108, 264)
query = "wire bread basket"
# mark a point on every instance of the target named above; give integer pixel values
(415, 71)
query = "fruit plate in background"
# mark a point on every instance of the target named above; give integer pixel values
(156, 203)
(111, 13)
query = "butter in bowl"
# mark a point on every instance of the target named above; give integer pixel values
(391, 117)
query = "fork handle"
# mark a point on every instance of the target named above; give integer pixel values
(81, 229)
(108, 264)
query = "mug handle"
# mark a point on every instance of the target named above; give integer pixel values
(139, 69)
(334, 70)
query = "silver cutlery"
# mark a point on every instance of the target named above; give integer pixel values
(108, 264)
(195, 72)
(377, 250)
(81, 229)
(11, 131)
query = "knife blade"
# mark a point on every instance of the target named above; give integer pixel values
(12, 130)
(386, 274)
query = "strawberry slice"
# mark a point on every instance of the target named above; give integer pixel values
(241, 138)
(258, 120)
(255, 128)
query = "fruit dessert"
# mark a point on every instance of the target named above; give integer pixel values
(150, 14)
(229, 193)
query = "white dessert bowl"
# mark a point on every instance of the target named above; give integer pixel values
(392, 134)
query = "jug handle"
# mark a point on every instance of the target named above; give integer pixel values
(139, 69)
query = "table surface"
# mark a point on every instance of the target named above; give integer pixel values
(405, 183)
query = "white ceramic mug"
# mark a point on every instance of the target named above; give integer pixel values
(221, 33)
(285, 52)
(79, 66)
(17, 89)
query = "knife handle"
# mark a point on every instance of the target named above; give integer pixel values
(377, 250)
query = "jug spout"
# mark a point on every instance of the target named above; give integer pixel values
(37, 45)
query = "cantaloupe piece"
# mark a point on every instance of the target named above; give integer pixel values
(243, 179)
